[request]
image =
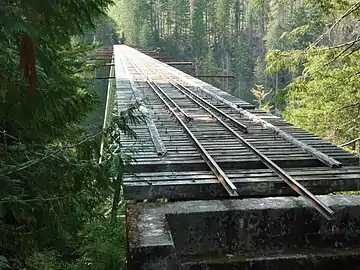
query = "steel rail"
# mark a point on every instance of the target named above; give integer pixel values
(235, 122)
(215, 168)
(324, 158)
(187, 117)
(239, 125)
(295, 185)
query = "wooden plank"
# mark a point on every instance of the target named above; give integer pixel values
(286, 136)
(101, 59)
(193, 165)
(249, 172)
(258, 175)
(154, 133)
(179, 63)
(215, 76)
(231, 154)
(289, 138)
(244, 160)
(352, 142)
(180, 190)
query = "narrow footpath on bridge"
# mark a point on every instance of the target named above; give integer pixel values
(219, 184)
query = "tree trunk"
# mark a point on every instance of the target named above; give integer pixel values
(192, 4)
(116, 198)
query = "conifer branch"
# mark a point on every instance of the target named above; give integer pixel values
(350, 142)
(342, 45)
(343, 51)
(38, 199)
(65, 147)
(353, 8)
(8, 135)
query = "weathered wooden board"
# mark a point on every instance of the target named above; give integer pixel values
(250, 183)
(293, 148)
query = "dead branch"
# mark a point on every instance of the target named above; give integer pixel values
(353, 8)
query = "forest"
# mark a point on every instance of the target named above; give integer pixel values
(61, 205)
(290, 57)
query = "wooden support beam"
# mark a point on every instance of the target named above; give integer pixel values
(165, 57)
(182, 186)
(158, 54)
(137, 47)
(147, 51)
(104, 54)
(105, 78)
(101, 65)
(179, 63)
(215, 76)
(101, 59)
(351, 142)
(155, 54)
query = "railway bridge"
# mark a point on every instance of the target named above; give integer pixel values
(219, 184)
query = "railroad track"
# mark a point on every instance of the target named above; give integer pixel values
(229, 173)
(178, 98)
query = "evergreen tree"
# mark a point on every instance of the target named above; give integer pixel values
(50, 178)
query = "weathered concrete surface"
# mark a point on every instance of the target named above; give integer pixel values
(329, 260)
(150, 245)
(285, 231)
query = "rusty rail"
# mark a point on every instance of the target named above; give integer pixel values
(215, 168)
(295, 185)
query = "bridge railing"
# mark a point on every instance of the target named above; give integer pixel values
(109, 108)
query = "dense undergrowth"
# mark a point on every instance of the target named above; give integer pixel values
(59, 208)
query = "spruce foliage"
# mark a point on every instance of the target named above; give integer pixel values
(52, 185)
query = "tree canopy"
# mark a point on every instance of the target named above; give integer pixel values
(53, 189)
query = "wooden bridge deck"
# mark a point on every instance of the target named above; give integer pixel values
(182, 173)
(230, 172)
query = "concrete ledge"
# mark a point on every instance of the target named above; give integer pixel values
(150, 245)
(160, 236)
(329, 260)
